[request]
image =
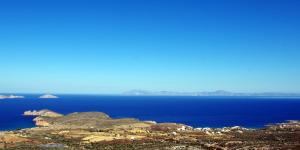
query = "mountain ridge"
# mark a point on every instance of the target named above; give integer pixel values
(138, 92)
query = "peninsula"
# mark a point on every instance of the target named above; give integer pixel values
(97, 130)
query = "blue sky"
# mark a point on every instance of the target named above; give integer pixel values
(111, 46)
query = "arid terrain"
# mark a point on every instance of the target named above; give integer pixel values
(96, 130)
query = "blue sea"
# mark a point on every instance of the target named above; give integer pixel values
(194, 111)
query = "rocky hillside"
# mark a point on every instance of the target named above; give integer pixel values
(97, 131)
(83, 120)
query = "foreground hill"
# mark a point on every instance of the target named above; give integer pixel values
(96, 130)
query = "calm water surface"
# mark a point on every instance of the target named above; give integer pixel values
(194, 111)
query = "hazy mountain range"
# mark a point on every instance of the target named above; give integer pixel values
(209, 93)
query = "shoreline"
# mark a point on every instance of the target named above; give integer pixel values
(97, 130)
(212, 127)
(33, 116)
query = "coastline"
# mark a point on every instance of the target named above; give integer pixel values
(51, 114)
(97, 130)
(194, 111)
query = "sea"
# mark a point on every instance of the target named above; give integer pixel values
(251, 112)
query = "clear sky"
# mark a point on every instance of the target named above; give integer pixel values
(111, 46)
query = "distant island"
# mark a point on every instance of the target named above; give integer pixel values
(209, 93)
(48, 96)
(10, 97)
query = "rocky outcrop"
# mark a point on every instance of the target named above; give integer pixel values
(42, 113)
(41, 122)
(43, 116)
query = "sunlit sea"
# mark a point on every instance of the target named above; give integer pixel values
(253, 112)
